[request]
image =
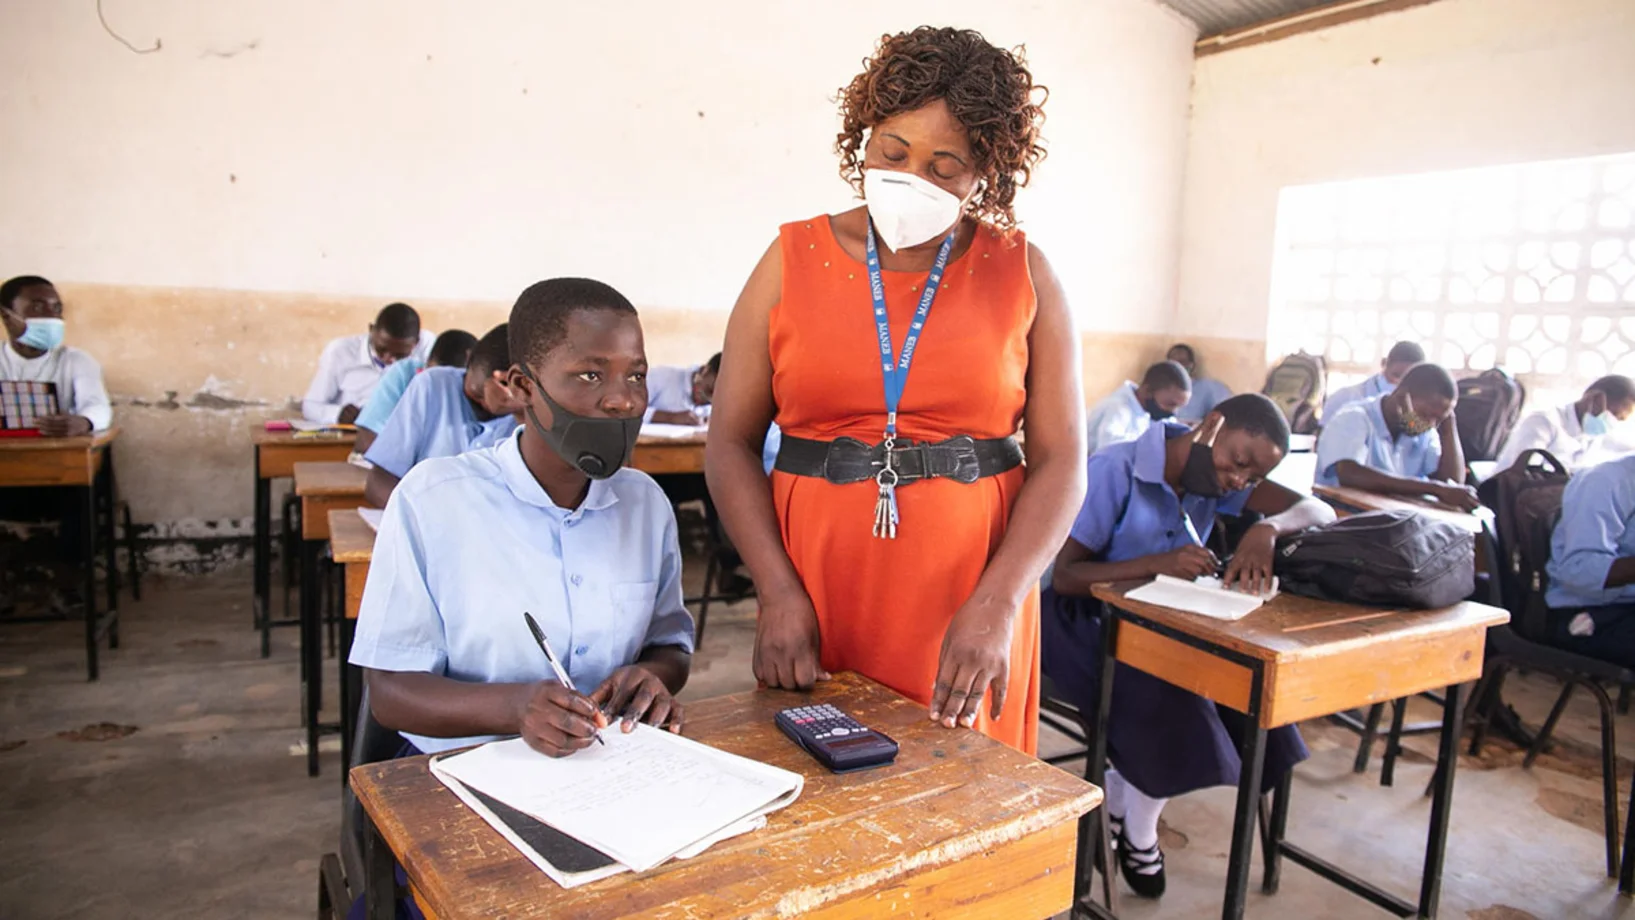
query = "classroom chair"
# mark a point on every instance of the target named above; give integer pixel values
(721, 583)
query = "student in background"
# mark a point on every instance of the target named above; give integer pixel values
(1592, 564)
(1206, 392)
(452, 349)
(1406, 443)
(350, 367)
(1402, 357)
(472, 542)
(1127, 411)
(682, 395)
(1573, 433)
(1150, 506)
(443, 412)
(34, 352)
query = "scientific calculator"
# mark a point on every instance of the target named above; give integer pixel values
(838, 741)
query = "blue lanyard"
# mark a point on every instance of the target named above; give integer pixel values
(895, 371)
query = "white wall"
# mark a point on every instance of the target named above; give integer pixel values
(434, 148)
(1454, 84)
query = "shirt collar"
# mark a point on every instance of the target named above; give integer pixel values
(1128, 391)
(527, 489)
(1150, 454)
(1569, 421)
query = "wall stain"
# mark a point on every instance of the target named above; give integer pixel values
(207, 400)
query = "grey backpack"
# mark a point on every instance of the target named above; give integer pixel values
(1384, 558)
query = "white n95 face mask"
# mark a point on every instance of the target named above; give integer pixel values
(906, 209)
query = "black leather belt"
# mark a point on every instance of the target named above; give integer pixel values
(846, 460)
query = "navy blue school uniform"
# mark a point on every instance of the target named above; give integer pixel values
(1164, 740)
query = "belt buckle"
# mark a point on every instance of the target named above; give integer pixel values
(849, 460)
(962, 449)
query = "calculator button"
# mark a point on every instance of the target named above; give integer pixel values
(840, 731)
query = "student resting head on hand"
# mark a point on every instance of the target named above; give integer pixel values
(1404, 443)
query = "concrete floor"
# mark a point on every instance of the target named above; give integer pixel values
(174, 787)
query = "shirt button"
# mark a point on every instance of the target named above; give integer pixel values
(581, 650)
(1169, 533)
(576, 579)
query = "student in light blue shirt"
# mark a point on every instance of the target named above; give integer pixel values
(682, 395)
(1405, 443)
(471, 542)
(1401, 359)
(452, 349)
(445, 411)
(1150, 507)
(1207, 392)
(1592, 564)
(1127, 411)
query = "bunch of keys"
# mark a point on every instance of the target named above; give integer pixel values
(885, 507)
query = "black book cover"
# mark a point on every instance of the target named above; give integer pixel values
(565, 853)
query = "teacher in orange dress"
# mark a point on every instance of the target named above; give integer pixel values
(899, 346)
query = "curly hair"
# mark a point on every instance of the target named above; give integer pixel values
(987, 89)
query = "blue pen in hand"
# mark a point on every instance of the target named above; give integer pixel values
(550, 656)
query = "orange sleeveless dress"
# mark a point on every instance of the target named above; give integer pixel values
(883, 605)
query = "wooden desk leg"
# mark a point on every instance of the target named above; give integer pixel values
(88, 571)
(311, 637)
(262, 551)
(1436, 843)
(380, 874)
(1252, 754)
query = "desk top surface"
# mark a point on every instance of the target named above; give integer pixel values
(693, 440)
(351, 539)
(951, 796)
(1290, 627)
(1370, 501)
(261, 437)
(329, 478)
(90, 441)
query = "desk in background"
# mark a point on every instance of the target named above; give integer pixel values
(322, 487)
(1294, 659)
(84, 463)
(657, 456)
(1353, 501)
(276, 453)
(960, 826)
(351, 546)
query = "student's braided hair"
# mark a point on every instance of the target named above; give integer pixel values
(988, 89)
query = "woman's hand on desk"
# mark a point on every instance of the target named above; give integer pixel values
(1459, 496)
(634, 694)
(1189, 562)
(787, 642)
(557, 721)
(1250, 570)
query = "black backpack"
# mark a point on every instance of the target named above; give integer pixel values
(1489, 405)
(1386, 558)
(1296, 385)
(1526, 501)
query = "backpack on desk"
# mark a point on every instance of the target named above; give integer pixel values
(1489, 406)
(1526, 502)
(1385, 558)
(1296, 385)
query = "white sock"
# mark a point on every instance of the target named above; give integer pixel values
(1115, 794)
(1141, 818)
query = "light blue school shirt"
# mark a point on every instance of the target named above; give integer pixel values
(1371, 388)
(670, 389)
(1118, 417)
(433, 419)
(1597, 527)
(1358, 432)
(387, 392)
(1130, 511)
(1206, 395)
(470, 543)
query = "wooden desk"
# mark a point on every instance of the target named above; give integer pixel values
(1296, 658)
(322, 488)
(659, 456)
(84, 463)
(1352, 501)
(959, 826)
(276, 453)
(351, 546)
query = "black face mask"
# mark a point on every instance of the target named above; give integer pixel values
(596, 446)
(1158, 413)
(1198, 477)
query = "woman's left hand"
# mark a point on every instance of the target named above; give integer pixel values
(976, 656)
(1250, 570)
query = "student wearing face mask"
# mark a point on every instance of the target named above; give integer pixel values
(350, 367)
(34, 351)
(1402, 358)
(549, 522)
(445, 411)
(1150, 506)
(921, 327)
(1207, 392)
(1405, 443)
(1128, 411)
(1575, 433)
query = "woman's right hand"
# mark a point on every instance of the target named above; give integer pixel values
(787, 643)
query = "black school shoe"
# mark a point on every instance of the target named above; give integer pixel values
(1143, 870)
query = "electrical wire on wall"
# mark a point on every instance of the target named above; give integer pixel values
(157, 44)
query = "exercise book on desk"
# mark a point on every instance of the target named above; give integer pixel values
(640, 799)
(664, 430)
(1205, 596)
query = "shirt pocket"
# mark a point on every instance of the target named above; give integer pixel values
(633, 604)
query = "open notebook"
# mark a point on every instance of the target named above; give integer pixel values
(643, 798)
(1206, 596)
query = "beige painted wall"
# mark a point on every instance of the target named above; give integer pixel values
(215, 211)
(1457, 83)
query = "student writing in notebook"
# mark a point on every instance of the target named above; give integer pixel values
(452, 349)
(351, 366)
(1151, 505)
(445, 411)
(548, 522)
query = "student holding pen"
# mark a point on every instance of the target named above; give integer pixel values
(1151, 505)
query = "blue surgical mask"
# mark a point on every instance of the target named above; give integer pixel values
(42, 333)
(1597, 425)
